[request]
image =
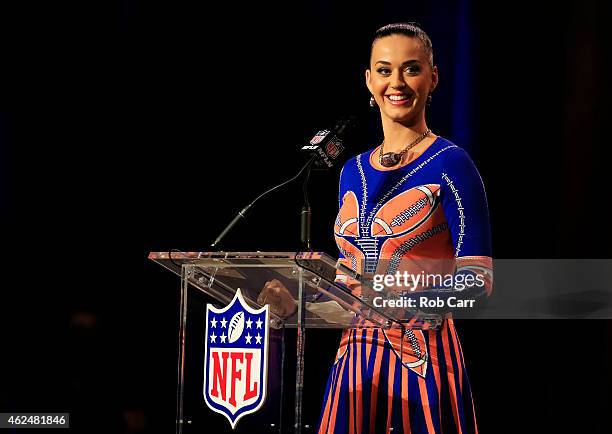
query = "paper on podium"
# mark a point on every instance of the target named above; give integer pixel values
(332, 312)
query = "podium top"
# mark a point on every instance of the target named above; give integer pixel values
(287, 258)
(329, 304)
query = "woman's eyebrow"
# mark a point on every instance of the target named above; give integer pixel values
(412, 61)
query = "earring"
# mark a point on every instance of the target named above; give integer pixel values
(373, 102)
(428, 99)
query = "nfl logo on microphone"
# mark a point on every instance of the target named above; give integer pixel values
(236, 359)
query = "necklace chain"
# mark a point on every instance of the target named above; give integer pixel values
(391, 159)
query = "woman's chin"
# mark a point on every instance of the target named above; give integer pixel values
(400, 113)
(402, 118)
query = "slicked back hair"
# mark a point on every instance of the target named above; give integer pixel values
(411, 30)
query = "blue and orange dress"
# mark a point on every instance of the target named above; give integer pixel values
(434, 207)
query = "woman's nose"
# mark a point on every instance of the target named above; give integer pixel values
(397, 81)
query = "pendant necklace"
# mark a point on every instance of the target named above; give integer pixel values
(391, 159)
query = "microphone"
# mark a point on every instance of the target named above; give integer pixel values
(327, 145)
(323, 150)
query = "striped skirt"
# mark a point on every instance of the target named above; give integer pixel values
(371, 390)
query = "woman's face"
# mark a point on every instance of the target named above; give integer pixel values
(400, 78)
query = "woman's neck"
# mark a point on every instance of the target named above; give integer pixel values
(398, 136)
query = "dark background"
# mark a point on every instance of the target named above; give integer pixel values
(133, 126)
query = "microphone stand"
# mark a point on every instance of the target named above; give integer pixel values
(305, 237)
(306, 243)
(306, 215)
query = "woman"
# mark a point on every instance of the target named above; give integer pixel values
(415, 197)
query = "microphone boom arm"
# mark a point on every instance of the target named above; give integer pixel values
(242, 213)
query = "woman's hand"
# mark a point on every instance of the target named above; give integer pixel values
(278, 297)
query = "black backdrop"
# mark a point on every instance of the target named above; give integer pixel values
(133, 126)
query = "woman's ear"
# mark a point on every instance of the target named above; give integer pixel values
(367, 80)
(434, 78)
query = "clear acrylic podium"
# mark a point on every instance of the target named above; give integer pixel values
(320, 301)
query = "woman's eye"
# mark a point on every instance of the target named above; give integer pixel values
(413, 69)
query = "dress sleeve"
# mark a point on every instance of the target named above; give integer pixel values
(464, 202)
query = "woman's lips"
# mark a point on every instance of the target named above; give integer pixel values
(398, 99)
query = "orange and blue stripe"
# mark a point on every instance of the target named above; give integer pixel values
(370, 390)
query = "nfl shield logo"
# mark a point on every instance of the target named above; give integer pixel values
(334, 148)
(319, 137)
(236, 359)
